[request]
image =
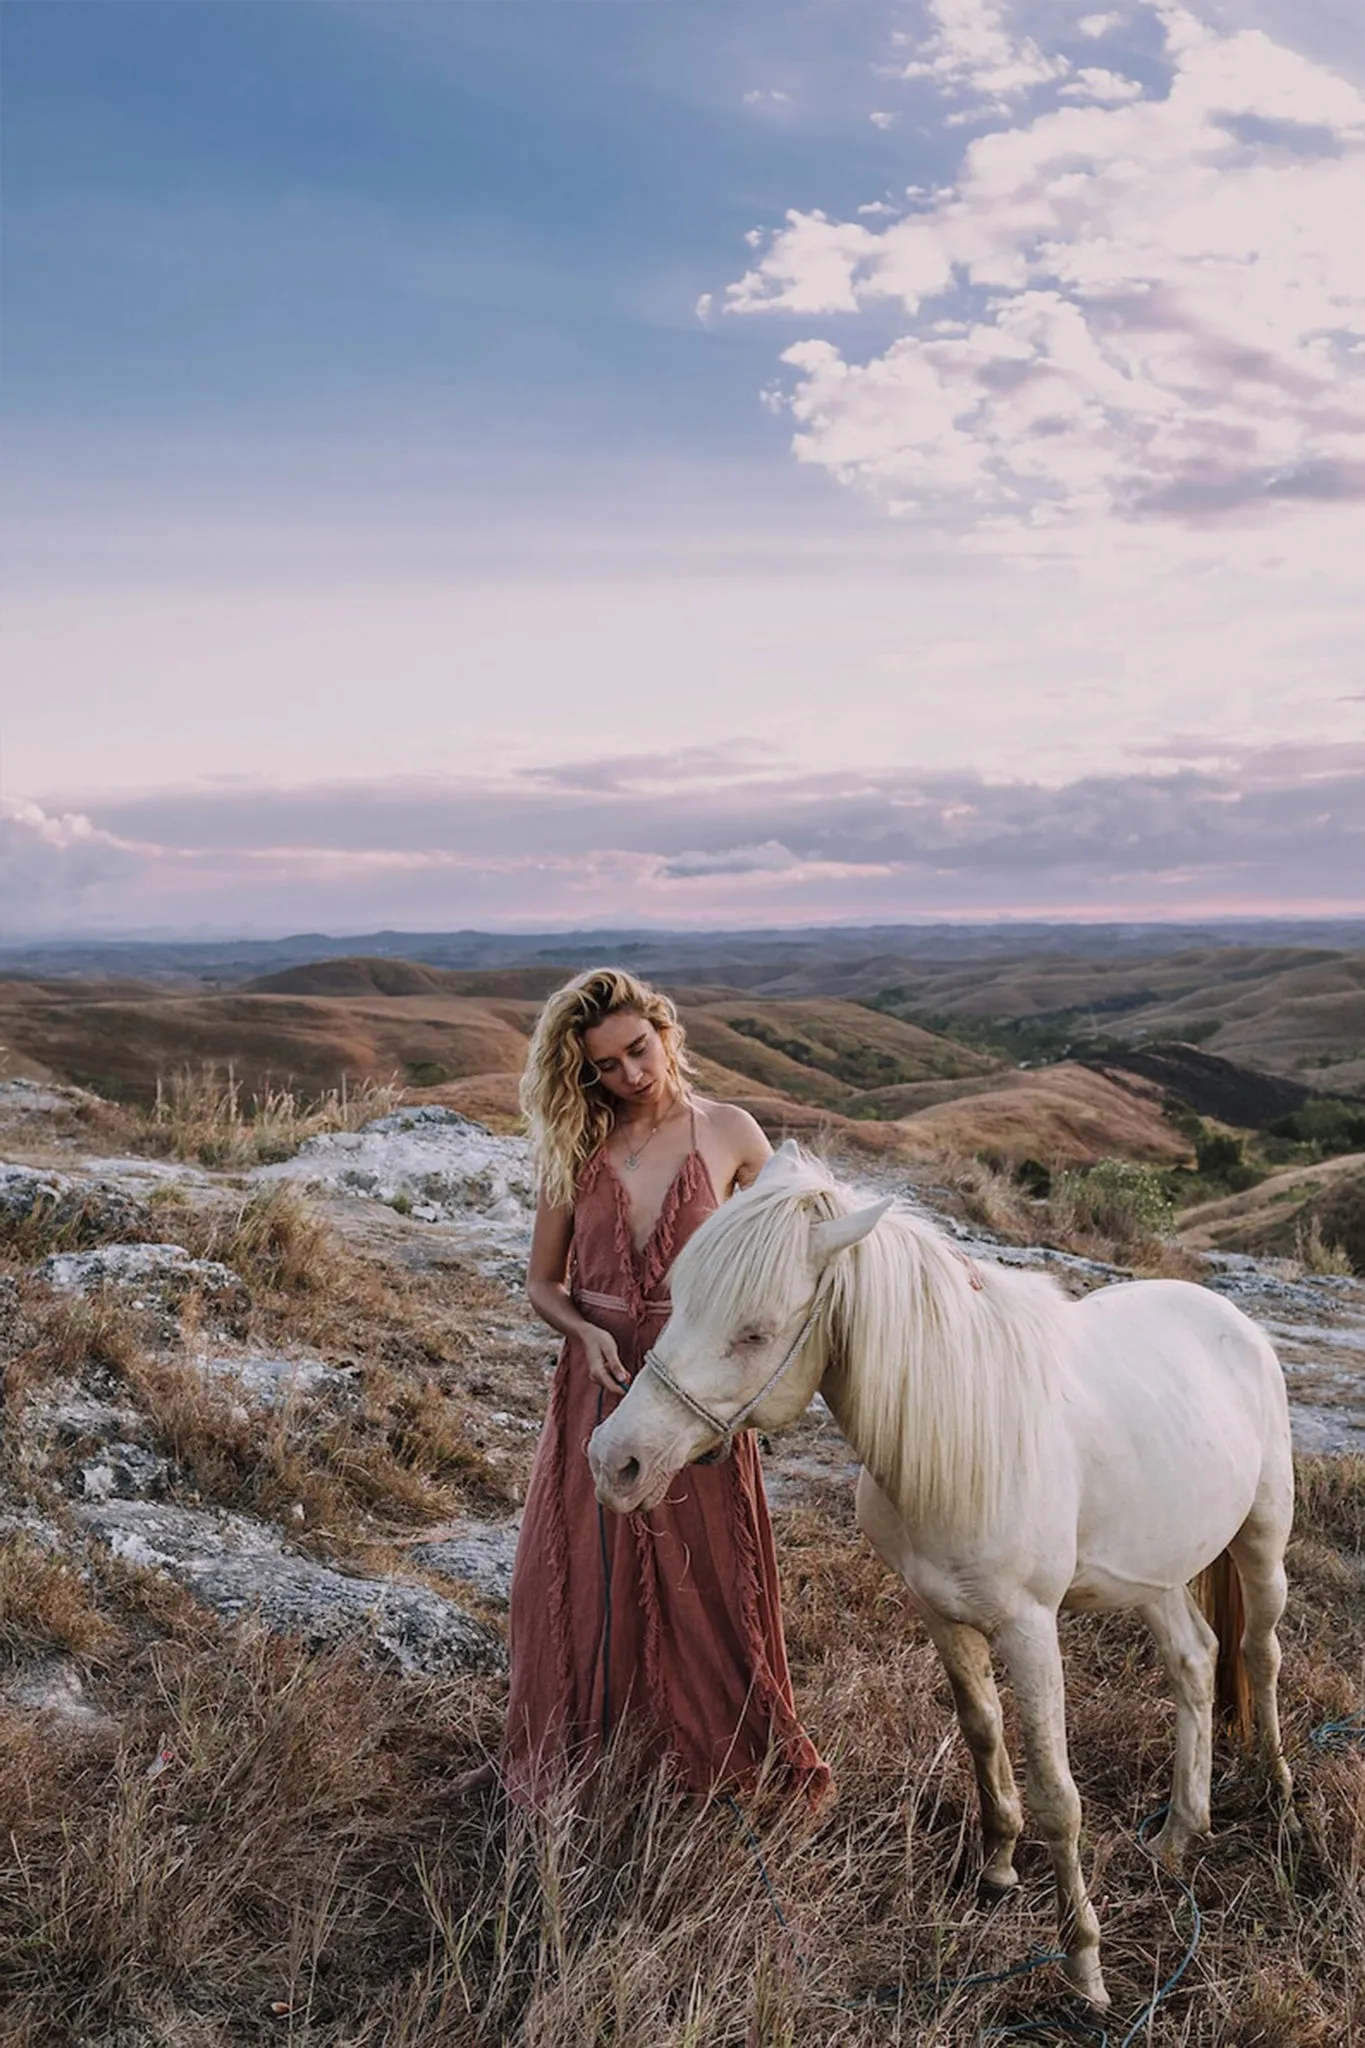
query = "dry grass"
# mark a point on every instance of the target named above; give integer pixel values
(1313, 1254)
(1113, 1214)
(304, 1870)
(205, 1114)
(990, 1196)
(71, 1222)
(46, 1604)
(402, 1445)
(312, 1284)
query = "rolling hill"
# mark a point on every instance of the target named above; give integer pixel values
(871, 1070)
(1299, 1013)
(822, 1067)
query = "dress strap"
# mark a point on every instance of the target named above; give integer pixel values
(693, 1107)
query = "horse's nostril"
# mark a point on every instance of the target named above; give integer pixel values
(628, 1473)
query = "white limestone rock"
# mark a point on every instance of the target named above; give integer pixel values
(53, 1691)
(155, 1278)
(239, 1567)
(478, 1553)
(434, 1165)
(86, 1211)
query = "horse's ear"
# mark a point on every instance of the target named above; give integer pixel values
(839, 1232)
(787, 1155)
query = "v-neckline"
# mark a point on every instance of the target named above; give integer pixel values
(642, 1250)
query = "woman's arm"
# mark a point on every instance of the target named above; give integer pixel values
(546, 1272)
(752, 1149)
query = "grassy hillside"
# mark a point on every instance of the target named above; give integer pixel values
(1277, 1214)
(1299, 1012)
(119, 1046)
(378, 1019)
(875, 1075)
(1066, 1115)
(829, 1053)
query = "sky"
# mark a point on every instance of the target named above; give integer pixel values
(532, 463)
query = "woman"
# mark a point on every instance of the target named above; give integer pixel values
(666, 1626)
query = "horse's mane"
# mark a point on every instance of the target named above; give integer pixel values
(943, 1371)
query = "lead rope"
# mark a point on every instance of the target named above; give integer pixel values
(1339, 1734)
(1046, 2023)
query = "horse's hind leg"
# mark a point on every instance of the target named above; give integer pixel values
(1189, 1652)
(1258, 1552)
(967, 1660)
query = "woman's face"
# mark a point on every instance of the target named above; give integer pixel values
(629, 1054)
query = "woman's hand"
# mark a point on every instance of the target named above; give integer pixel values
(604, 1360)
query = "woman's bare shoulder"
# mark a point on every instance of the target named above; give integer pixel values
(734, 1130)
(723, 1116)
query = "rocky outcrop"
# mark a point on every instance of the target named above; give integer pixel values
(240, 1567)
(152, 1278)
(475, 1553)
(53, 1691)
(20, 1100)
(265, 1379)
(433, 1164)
(11, 1323)
(75, 1211)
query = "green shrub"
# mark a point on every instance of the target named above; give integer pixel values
(1326, 1124)
(428, 1074)
(1219, 1157)
(1034, 1178)
(1115, 1199)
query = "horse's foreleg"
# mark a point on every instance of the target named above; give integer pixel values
(1029, 1647)
(1189, 1652)
(967, 1661)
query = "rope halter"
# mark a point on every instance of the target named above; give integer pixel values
(723, 1431)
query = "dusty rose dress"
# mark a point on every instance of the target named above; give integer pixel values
(667, 1622)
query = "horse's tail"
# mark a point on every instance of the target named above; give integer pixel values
(1218, 1591)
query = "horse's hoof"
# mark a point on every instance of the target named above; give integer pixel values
(1170, 1850)
(1086, 1980)
(994, 1887)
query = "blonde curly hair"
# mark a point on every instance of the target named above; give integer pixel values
(568, 1112)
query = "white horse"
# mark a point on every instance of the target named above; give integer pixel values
(1021, 1454)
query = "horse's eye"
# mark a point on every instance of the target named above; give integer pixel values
(751, 1337)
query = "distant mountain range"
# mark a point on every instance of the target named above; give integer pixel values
(764, 960)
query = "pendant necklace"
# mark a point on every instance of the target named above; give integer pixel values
(633, 1158)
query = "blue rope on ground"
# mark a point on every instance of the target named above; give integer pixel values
(1049, 2023)
(1337, 1734)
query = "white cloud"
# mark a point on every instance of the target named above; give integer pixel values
(57, 864)
(1152, 309)
(881, 119)
(771, 858)
(973, 50)
(1096, 25)
(809, 268)
(1203, 824)
(1091, 83)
